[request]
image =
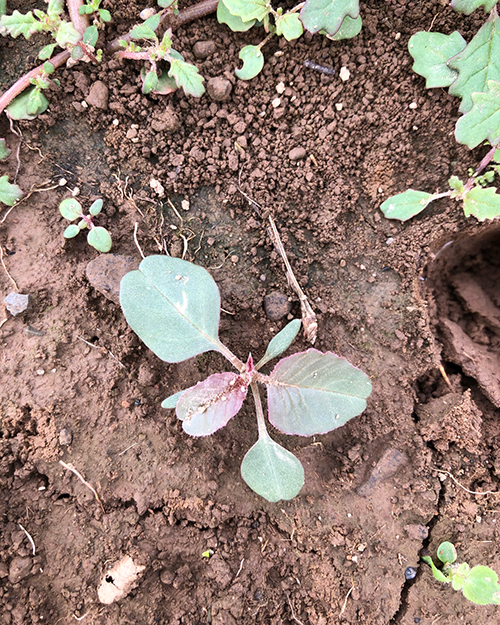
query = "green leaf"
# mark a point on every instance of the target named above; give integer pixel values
(77, 53)
(150, 82)
(9, 193)
(289, 25)
(19, 24)
(468, 6)
(431, 53)
(96, 207)
(30, 103)
(208, 406)
(478, 63)
(48, 68)
(164, 4)
(100, 238)
(249, 10)
(253, 62)
(482, 203)
(406, 205)
(349, 29)
(85, 9)
(165, 84)
(71, 231)
(70, 209)
(4, 150)
(271, 471)
(90, 36)
(153, 22)
(142, 31)
(481, 586)
(482, 122)
(173, 306)
(46, 52)
(327, 15)
(235, 23)
(447, 553)
(313, 393)
(171, 400)
(281, 342)
(67, 35)
(441, 577)
(105, 15)
(55, 7)
(187, 77)
(3, 7)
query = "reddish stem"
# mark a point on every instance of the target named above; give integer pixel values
(80, 22)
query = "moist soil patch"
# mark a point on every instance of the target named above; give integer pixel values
(407, 303)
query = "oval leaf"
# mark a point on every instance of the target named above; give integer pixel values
(272, 471)
(327, 15)
(235, 23)
(313, 393)
(482, 122)
(406, 205)
(281, 342)
(208, 406)
(171, 400)
(100, 239)
(289, 25)
(96, 207)
(447, 553)
(468, 6)
(30, 103)
(431, 53)
(9, 193)
(348, 29)
(253, 62)
(173, 306)
(70, 209)
(481, 586)
(4, 150)
(71, 231)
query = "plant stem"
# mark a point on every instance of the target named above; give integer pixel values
(261, 422)
(234, 360)
(482, 165)
(173, 21)
(20, 85)
(80, 22)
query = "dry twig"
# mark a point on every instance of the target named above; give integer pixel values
(345, 600)
(472, 492)
(32, 542)
(84, 482)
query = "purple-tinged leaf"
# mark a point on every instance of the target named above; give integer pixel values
(313, 393)
(208, 406)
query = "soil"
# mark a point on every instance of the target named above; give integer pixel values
(415, 305)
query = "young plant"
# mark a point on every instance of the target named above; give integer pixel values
(174, 307)
(98, 237)
(337, 20)
(9, 193)
(479, 584)
(472, 72)
(158, 79)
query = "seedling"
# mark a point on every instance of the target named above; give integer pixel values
(98, 237)
(479, 584)
(472, 72)
(157, 79)
(336, 20)
(9, 193)
(174, 307)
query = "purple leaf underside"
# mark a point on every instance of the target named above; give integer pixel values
(208, 406)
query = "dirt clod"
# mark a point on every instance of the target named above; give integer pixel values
(16, 303)
(98, 95)
(204, 49)
(219, 88)
(276, 305)
(297, 154)
(19, 569)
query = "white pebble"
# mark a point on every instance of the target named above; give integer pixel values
(280, 87)
(339, 106)
(276, 102)
(413, 105)
(345, 74)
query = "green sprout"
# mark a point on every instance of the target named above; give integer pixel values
(174, 307)
(471, 71)
(336, 20)
(478, 584)
(98, 237)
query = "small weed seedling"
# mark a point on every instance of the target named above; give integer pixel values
(479, 584)
(9, 193)
(156, 79)
(98, 236)
(336, 20)
(174, 307)
(472, 72)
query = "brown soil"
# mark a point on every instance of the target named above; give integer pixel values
(397, 300)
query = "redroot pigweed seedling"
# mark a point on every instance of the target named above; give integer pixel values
(479, 584)
(174, 307)
(472, 72)
(98, 236)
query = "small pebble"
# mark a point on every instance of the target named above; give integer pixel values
(276, 305)
(65, 437)
(98, 95)
(410, 572)
(297, 154)
(345, 74)
(40, 372)
(234, 259)
(19, 569)
(258, 596)
(16, 303)
(219, 88)
(167, 576)
(203, 49)
(339, 106)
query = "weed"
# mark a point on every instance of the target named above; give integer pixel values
(98, 237)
